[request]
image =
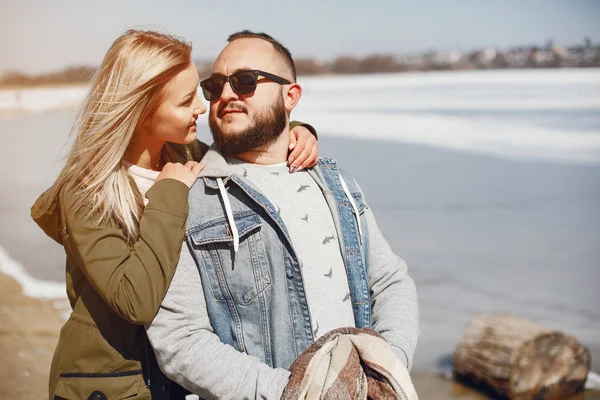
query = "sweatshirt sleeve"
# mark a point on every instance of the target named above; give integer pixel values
(191, 354)
(133, 279)
(394, 305)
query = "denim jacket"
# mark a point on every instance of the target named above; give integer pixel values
(252, 285)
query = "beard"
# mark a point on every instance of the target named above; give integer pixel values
(266, 127)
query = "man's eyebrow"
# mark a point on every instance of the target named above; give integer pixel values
(234, 71)
(244, 69)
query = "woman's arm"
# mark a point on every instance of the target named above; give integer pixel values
(132, 279)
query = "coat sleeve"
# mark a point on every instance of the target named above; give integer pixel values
(311, 128)
(191, 354)
(132, 279)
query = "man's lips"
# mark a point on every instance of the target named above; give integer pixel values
(231, 108)
(232, 112)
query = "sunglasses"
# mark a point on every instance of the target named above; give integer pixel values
(242, 82)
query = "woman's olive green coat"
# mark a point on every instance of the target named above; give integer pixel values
(114, 287)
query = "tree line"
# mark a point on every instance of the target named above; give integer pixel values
(532, 57)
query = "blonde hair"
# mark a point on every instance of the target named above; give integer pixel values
(125, 91)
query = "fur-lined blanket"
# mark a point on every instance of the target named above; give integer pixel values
(349, 363)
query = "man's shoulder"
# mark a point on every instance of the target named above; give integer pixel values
(330, 165)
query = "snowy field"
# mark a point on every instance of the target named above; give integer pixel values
(521, 114)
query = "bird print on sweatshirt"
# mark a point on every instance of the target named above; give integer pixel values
(302, 188)
(328, 239)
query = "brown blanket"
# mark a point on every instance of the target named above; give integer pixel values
(349, 363)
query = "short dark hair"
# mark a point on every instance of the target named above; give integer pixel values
(279, 48)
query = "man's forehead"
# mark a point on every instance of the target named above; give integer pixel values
(245, 53)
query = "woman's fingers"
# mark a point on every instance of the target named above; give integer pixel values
(312, 159)
(190, 164)
(198, 168)
(187, 173)
(304, 159)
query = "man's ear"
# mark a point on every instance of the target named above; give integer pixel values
(292, 96)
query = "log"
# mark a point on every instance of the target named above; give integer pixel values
(516, 358)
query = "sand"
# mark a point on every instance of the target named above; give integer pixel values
(28, 334)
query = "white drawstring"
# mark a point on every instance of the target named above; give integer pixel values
(229, 213)
(349, 195)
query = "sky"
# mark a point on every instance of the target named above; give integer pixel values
(41, 36)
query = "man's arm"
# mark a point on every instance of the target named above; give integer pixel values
(189, 353)
(395, 310)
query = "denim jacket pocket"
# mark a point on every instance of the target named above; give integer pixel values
(239, 277)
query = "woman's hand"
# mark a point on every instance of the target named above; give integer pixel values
(304, 148)
(184, 173)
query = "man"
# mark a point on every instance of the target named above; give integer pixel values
(272, 260)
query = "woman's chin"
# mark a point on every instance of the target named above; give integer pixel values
(191, 136)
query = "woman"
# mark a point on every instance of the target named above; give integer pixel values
(119, 208)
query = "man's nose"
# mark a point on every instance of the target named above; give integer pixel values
(227, 93)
